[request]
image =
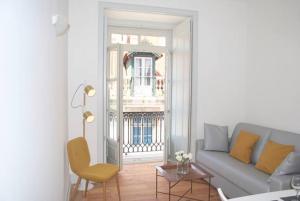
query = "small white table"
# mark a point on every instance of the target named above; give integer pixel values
(266, 196)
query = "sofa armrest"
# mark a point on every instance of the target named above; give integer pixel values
(200, 144)
(278, 183)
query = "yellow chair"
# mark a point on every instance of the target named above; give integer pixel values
(79, 158)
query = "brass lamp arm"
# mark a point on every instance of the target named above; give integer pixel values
(73, 97)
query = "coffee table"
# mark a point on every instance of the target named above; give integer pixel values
(196, 173)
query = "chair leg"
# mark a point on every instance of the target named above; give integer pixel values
(104, 191)
(86, 187)
(73, 195)
(118, 187)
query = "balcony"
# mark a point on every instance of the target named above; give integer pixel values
(143, 139)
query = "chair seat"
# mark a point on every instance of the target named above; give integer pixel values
(99, 172)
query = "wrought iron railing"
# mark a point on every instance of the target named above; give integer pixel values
(143, 132)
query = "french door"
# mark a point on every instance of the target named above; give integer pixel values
(114, 102)
(114, 108)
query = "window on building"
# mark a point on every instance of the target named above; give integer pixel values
(147, 131)
(137, 130)
(143, 71)
(140, 134)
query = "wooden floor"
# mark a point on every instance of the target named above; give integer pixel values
(137, 183)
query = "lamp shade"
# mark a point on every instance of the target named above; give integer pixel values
(88, 116)
(89, 90)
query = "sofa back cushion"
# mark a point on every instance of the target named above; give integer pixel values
(263, 132)
(290, 165)
(215, 138)
(285, 137)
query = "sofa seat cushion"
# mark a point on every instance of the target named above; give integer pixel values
(246, 176)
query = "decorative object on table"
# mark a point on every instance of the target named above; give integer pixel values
(88, 90)
(215, 138)
(183, 162)
(295, 183)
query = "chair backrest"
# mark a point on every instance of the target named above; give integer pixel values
(78, 153)
(221, 194)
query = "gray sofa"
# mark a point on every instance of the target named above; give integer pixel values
(239, 179)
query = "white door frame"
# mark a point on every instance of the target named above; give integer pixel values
(102, 42)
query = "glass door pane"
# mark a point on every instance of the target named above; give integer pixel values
(113, 106)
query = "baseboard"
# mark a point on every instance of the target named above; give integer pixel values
(68, 191)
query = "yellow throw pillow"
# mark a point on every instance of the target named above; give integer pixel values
(272, 156)
(243, 146)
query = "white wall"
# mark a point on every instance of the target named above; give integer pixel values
(83, 63)
(219, 90)
(33, 102)
(273, 64)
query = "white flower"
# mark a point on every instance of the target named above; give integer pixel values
(182, 157)
(179, 152)
(179, 158)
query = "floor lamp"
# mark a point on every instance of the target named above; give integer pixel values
(87, 116)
